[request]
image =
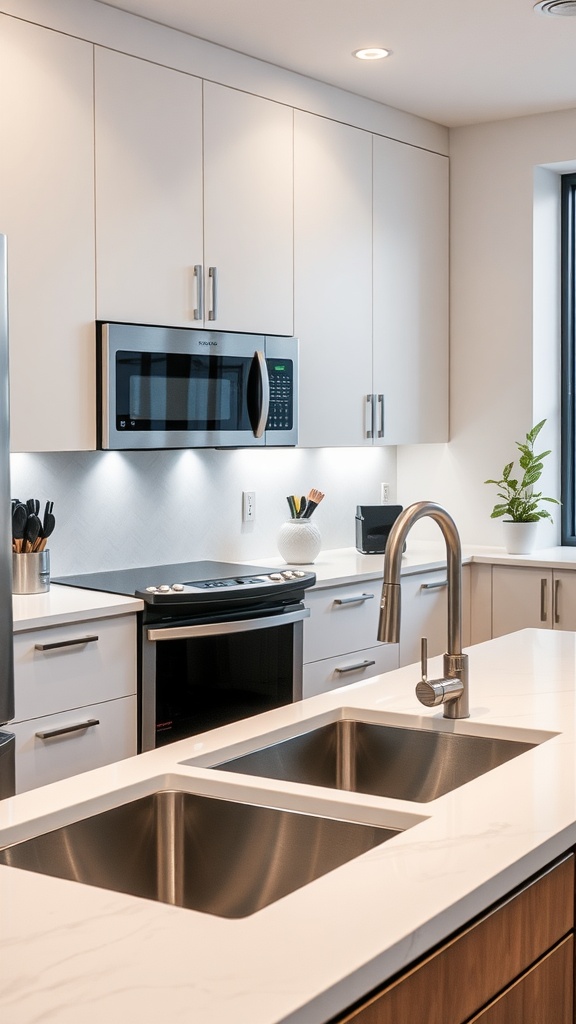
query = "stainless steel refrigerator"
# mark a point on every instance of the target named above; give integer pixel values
(7, 766)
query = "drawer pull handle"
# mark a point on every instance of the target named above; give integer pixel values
(354, 668)
(66, 643)
(355, 599)
(556, 600)
(434, 586)
(543, 600)
(45, 734)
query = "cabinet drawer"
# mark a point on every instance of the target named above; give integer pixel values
(41, 759)
(481, 961)
(342, 619)
(329, 673)
(71, 666)
(544, 994)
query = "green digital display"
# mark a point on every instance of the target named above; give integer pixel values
(280, 367)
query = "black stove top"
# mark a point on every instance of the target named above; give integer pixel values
(194, 582)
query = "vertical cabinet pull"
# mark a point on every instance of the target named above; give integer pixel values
(556, 600)
(199, 275)
(213, 275)
(543, 600)
(369, 416)
(380, 415)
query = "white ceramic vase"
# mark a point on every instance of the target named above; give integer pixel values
(519, 538)
(299, 541)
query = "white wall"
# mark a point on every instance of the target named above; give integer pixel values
(504, 349)
(117, 510)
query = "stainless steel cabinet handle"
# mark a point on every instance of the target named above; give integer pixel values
(46, 734)
(369, 416)
(221, 628)
(381, 416)
(543, 600)
(213, 274)
(199, 275)
(354, 668)
(556, 600)
(77, 642)
(434, 586)
(353, 599)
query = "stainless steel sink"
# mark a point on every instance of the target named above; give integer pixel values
(217, 856)
(382, 760)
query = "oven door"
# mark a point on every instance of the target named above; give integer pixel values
(198, 677)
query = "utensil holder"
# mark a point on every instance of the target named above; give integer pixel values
(299, 541)
(31, 572)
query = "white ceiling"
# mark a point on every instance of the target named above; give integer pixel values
(454, 61)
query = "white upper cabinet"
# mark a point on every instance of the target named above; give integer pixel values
(193, 201)
(248, 211)
(149, 230)
(410, 292)
(333, 278)
(47, 212)
(370, 287)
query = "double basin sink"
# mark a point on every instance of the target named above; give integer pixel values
(231, 858)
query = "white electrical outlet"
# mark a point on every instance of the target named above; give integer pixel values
(248, 506)
(384, 494)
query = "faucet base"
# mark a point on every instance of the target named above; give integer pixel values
(456, 667)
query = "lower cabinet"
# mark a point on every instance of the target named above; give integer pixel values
(340, 637)
(513, 965)
(425, 613)
(527, 597)
(75, 699)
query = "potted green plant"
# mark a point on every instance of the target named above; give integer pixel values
(521, 506)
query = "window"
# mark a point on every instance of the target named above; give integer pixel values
(568, 442)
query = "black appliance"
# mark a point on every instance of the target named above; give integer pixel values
(177, 387)
(218, 642)
(373, 524)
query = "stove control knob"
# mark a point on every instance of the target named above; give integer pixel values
(164, 589)
(150, 590)
(178, 587)
(299, 573)
(275, 576)
(288, 575)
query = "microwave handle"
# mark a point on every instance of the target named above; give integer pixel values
(259, 364)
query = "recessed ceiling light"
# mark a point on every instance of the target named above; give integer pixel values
(372, 53)
(565, 8)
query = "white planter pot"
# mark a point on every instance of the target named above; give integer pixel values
(299, 541)
(520, 538)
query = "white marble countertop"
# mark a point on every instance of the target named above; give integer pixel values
(68, 604)
(335, 567)
(71, 953)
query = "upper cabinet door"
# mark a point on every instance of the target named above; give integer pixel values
(411, 292)
(149, 234)
(248, 220)
(47, 212)
(333, 279)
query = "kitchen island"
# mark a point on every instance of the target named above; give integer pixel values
(71, 953)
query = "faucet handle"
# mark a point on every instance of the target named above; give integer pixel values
(424, 657)
(432, 692)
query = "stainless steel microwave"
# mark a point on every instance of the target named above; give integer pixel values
(175, 387)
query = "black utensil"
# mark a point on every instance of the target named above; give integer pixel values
(48, 524)
(31, 532)
(19, 519)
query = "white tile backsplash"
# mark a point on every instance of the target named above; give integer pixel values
(117, 510)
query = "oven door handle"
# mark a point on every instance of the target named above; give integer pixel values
(221, 628)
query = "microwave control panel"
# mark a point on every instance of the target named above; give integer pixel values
(281, 378)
